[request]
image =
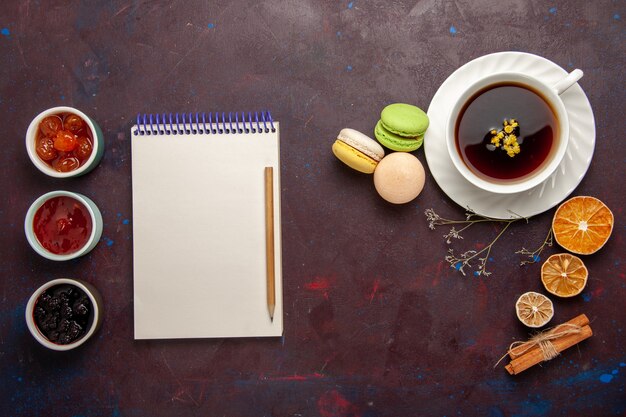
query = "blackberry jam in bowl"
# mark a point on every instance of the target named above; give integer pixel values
(64, 313)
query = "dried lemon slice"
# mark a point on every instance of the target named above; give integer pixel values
(582, 225)
(534, 309)
(564, 275)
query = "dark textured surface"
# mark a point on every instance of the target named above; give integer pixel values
(376, 323)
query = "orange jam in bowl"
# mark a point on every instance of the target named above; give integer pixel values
(63, 142)
(62, 225)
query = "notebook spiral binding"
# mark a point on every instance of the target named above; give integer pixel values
(210, 123)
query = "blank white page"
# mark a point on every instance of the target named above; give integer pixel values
(199, 235)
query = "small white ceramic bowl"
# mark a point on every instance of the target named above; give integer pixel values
(91, 163)
(96, 302)
(96, 225)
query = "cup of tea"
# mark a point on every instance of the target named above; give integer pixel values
(508, 132)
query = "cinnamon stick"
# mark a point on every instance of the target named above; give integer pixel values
(581, 320)
(534, 356)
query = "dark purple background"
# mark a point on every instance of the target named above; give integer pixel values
(376, 323)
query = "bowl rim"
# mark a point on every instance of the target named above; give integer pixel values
(31, 133)
(515, 186)
(38, 335)
(34, 242)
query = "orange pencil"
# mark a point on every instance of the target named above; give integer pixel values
(269, 240)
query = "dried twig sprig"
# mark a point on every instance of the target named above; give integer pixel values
(460, 262)
(534, 255)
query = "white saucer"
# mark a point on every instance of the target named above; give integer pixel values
(545, 195)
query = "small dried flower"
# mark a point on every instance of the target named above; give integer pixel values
(534, 255)
(506, 139)
(465, 259)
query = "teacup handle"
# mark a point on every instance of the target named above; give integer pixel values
(567, 81)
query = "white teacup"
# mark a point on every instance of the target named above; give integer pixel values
(548, 93)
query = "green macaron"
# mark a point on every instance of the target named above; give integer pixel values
(401, 127)
(404, 120)
(396, 142)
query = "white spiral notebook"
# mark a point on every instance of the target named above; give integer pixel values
(199, 225)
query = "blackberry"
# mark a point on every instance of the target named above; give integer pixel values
(54, 303)
(40, 313)
(66, 311)
(64, 339)
(81, 309)
(64, 325)
(50, 323)
(74, 331)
